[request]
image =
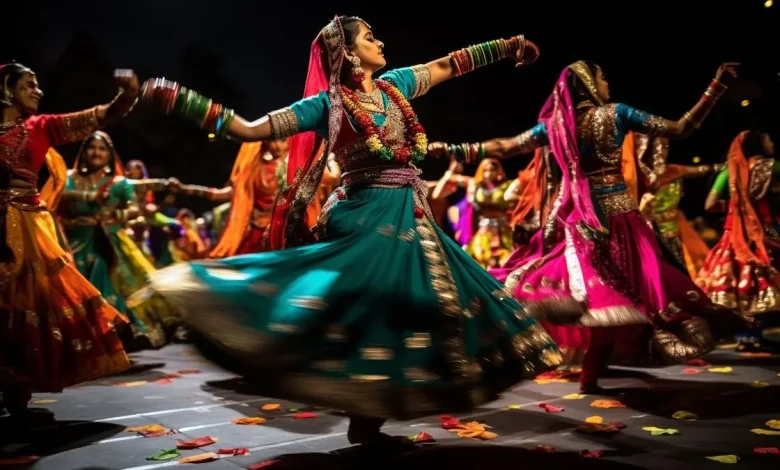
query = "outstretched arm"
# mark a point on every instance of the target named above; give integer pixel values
(73, 127)
(499, 148)
(714, 202)
(469, 58)
(308, 114)
(640, 121)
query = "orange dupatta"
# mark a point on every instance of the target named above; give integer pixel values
(745, 223)
(243, 200)
(532, 182)
(55, 184)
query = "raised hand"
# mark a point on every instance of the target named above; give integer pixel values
(727, 72)
(438, 149)
(127, 80)
(527, 54)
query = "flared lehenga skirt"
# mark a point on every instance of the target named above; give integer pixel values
(384, 317)
(56, 330)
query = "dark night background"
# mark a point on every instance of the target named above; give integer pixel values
(253, 56)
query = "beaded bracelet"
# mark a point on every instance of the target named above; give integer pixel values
(471, 57)
(172, 97)
(466, 153)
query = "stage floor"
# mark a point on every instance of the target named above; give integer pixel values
(90, 432)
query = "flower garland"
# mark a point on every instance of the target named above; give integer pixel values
(416, 141)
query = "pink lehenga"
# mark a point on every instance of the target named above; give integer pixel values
(640, 309)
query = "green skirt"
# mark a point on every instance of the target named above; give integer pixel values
(385, 316)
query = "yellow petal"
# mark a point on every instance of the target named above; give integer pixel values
(151, 428)
(773, 423)
(594, 419)
(271, 407)
(685, 416)
(652, 429)
(487, 435)
(722, 370)
(573, 396)
(514, 407)
(765, 432)
(44, 401)
(758, 384)
(730, 458)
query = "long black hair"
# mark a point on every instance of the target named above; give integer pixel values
(753, 145)
(9, 76)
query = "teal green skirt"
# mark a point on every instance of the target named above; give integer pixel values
(385, 316)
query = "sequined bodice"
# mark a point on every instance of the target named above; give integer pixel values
(600, 139)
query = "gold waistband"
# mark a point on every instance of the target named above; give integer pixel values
(26, 199)
(601, 181)
(618, 202)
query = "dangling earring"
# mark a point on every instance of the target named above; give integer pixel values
(7, 97)
(358, 74)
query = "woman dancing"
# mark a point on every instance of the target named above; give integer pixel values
(384, 317)
(619, 272)
(739, 271)
(55, 328)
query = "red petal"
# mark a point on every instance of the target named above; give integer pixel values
(691, 371)
(423, 437)
(596, 454)
(194, 443)
(545, 449)
(163, 381)
(550, 408)
(767, 450)
(418, 213)
(304, 415)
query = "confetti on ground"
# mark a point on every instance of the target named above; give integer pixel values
(237, 452)
(573, 396)
(591, 454)
(514, 407)
(550, 408)
(146, 430)
(165, 454)
(44, 401)
(685, 416)
(19, 460)
(473, 430)
(730, 458)
(765, 432)
(421, 438)
(607, 404)
(195, 443)
(200, 458)
(773, 423)
(130, 384)
(660, 431)
(271, 407)
(594, 419)
(249, 421)
(721, 370)
(767, 450)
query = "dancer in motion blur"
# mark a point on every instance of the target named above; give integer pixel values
(740, 272)
(639, 306)
(383, 316)
(56, 330)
